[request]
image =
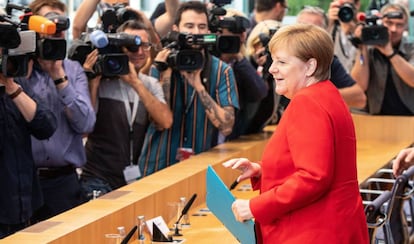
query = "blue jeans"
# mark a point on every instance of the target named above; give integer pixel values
(92, 187)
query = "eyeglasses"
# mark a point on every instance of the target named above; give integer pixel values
(146, 46)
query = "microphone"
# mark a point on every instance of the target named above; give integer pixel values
(99, 39)
(234, 184)
(130, 234)
(184, 212)
(42, 25)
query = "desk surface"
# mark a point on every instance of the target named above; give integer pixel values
(379, 139)
(208, 229)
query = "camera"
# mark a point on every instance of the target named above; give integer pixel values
(374, 33)
(62, 22)
(346, 12)
(17, 46)
(50, 45)
(53, 46)
(113, 16)
(112, 61)
(14, 61)
(182, 55)
(185, 53)
(187, 59)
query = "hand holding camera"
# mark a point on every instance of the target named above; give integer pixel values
(342, 14)
(193, 78)
(374, 32)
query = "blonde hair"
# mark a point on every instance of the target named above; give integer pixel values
(306, 41)
(261, 27)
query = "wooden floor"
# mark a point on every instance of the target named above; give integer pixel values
(379, 139)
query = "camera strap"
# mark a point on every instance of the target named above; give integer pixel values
(130, 115)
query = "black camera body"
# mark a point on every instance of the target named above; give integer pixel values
(17, 47)
(377, 34)
(112, 61)
(182, 55)
(112, 16)
(346, 12)
(185, 48)
(186, 59)
(52, 46)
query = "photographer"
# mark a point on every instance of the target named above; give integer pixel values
(270, 108)
(61, 85)
(268, 10)
(203, 101)
(342, 20)
(250, 86)
(125, 106)
(87, 8)
(385, 71)
(20, 118)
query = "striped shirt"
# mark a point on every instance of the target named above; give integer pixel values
(191, 127)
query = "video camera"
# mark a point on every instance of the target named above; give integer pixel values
(185, 48)
(113, 16)
(17, 46)
(112, 61)
(50, 45)
(375, 33)
(235, 24)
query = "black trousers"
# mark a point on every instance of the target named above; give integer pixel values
(60, 193)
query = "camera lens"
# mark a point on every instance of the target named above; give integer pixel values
(47, 48)
(346, 13)
(113, 65)
(187, 60)
(12, 66)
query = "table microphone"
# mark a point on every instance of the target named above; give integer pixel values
(130, 234)
(184, 212)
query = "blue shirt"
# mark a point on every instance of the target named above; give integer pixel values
(20, 190)
(191, 127)
(74, 112)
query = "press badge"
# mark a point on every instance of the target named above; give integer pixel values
(131, 173)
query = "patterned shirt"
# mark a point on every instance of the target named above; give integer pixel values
(191, 127)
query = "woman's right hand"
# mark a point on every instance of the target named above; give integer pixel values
(248, 169)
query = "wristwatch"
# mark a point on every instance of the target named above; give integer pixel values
(394, 52)
(90, 74)
(60, 80)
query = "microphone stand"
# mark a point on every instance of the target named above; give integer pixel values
(184, 212)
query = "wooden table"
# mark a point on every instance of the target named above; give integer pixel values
(379, 139)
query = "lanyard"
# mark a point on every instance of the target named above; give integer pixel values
(130, 116)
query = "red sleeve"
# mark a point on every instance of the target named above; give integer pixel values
(310, 141)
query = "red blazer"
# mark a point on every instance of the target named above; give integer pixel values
(309, 191)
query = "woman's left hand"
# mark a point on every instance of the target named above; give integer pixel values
(241, 210)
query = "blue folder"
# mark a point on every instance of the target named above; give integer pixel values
(219, 201)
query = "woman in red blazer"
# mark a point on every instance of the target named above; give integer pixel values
(307, 178)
